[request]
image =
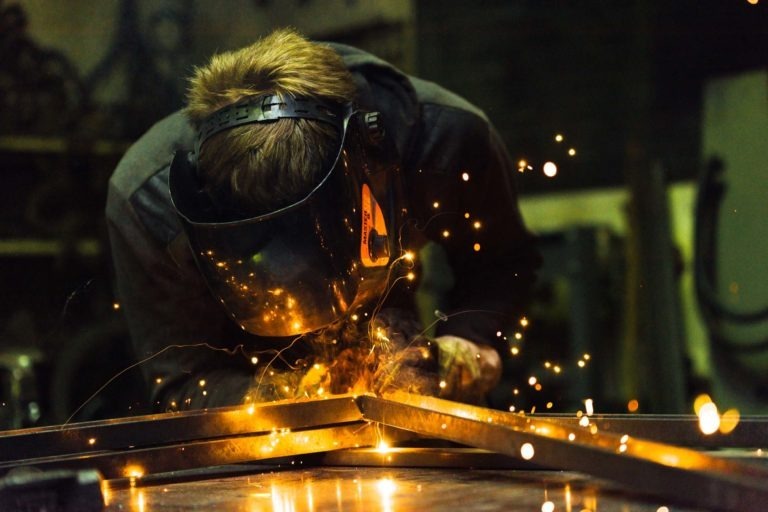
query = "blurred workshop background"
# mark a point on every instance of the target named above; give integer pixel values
(639, 127)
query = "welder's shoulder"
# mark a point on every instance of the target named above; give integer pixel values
(138, 189)
(151, 153)
(437, 96)
(452, 131)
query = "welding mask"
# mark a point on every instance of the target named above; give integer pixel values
(303, 266)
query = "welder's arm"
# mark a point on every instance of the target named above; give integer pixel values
(168, 309)
(493, 260)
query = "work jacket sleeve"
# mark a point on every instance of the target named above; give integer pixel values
(178, 332)
(481, 261)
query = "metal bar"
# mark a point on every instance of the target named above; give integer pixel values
(157, 429)
(683, 476)
(208, 453)
(680, 430)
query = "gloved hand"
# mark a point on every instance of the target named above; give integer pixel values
(467, 371)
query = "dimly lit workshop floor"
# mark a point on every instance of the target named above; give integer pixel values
(386, 489)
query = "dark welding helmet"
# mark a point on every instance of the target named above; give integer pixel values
(303, 266)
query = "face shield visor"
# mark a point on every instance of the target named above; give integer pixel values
(301, 267)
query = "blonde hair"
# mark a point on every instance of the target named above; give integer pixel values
(260, 167)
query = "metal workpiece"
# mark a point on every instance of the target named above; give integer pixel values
(134, 464)
(677, 429)
(648, 468)
(175, 427)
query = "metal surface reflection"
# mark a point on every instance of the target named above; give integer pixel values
(387, 490)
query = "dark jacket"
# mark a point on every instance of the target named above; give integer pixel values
(483, 273)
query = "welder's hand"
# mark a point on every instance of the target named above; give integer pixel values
(467, 371)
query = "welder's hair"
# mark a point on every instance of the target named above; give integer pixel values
(264, 166)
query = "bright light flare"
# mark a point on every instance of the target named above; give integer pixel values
(550, 169)
(527, 451)
(709, 419)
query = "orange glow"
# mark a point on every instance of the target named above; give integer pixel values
(633, 405)
(476, 247)
(729, 420)
(700, 401)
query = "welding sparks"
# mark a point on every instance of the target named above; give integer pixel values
(547, 506)
(465, 176)
(709, 419)
(590, 407)
(550, 169)
(527, 451)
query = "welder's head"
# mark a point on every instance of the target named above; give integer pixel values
(275, 197)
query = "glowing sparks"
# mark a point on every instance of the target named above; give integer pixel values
(202, 383)
(581, 363)
(466, 215)
(522, 164)
(527, 451)
(443, 384)
(547, 506)
(590, 406)
(524, 322)
(465, 176)
(158, 380)
(584, 421)
(411, 276)
(477, 224)
(133, 472)
(550, 169)
(116, 306)
(559, 137)
(408, 256)
(436, 204)
(532, 381)
(514, 351)
(254, 360)
(383, 447)
(446, 233)
(476, 247)
(355, 318)
(729, 420)
(92, 441)
(753, 2)
(572, 152)
(709, 419)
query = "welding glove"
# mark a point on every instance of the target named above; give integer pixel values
(467, 371)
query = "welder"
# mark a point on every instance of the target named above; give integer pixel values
(314, 214)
